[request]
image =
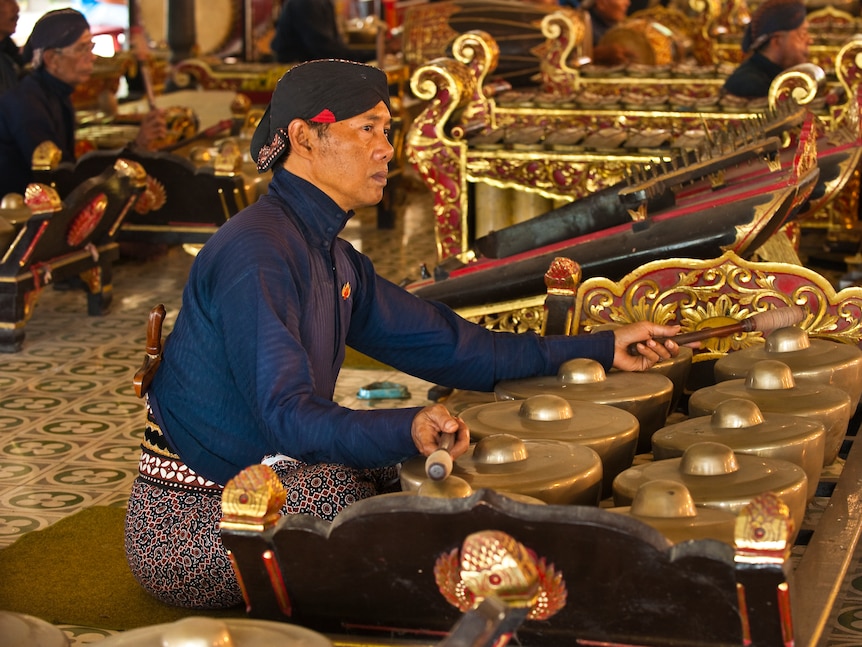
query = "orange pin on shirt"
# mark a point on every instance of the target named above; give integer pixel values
(345, 291)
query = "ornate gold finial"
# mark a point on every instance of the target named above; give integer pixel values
(46, 157)
(228, 161)
(240, 105)
(763, 531)
(494, 563)
(131, 169)
(252, 499)
(639, 214)
(42, 198)
(563, 276)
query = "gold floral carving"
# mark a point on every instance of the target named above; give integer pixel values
(93, 279)
(252, 499)
(700, 294)
(494, 563)
(848, 65)
(503, 317)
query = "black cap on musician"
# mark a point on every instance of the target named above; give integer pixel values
(349, 89)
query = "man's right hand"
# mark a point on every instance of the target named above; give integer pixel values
(431, 422)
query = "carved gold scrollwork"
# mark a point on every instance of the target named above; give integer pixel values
(563, 29)
(46, 156)
(446, 84)
(479, 51)
(799, 83)
(133, 170)
(41, 198)
(848, 65)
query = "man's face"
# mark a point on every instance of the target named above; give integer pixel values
(793, 46)
(72, 64)
(351, 159)
(613, 11)
(8, 17)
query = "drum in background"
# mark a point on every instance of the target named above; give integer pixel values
(218, 23)
(430, 28)
(651, 42)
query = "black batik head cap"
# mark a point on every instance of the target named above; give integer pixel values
(322, 91)
(55, 30)
(771, 17)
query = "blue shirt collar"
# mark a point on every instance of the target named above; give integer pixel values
(317, 213)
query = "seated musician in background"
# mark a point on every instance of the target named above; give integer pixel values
(10, 56)
(776, 39)
(307, 30)
(40, 108)
(249, 371)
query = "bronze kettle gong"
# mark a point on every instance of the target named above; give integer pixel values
(611, 432)
(645, 395)
(550, 470)
(771, 385)
(739, 424)
(718, 478)
(812, 361)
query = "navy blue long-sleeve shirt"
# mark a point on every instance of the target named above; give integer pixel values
(10, 64)
(753, 77)
(271, 300)
(38, 109)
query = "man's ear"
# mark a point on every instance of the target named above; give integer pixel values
(49, 57)
(300, 137)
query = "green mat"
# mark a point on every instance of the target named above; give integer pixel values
(355, 359)
(74, 573)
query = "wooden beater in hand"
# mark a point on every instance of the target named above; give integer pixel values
(767, 320)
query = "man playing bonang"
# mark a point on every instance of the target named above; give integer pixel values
(249, 371)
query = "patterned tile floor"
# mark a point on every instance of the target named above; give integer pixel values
(70, 423)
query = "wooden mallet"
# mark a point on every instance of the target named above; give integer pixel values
(767, 320)
(438, 465)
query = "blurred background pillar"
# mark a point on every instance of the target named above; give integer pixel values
(181, 31)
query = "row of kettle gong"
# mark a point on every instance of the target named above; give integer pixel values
(776, 416)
